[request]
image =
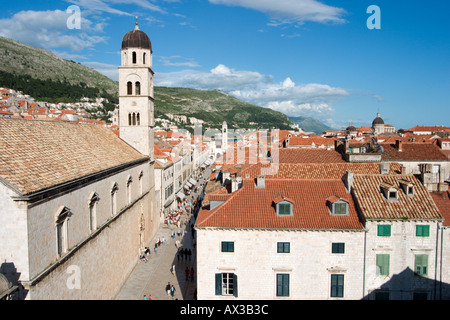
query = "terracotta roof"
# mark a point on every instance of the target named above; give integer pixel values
(299, 155)
(442, 201)
(315, 170)
(413, 152)
(252, 207)
(35, 155)
(374, 205)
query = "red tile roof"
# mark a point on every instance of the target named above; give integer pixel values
(413, 152)
(252, 207)
(442, 201)
(299, 155)
(374, 205)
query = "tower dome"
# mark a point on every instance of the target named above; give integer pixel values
(377, 120)
(136, 39)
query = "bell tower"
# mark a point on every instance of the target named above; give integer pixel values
(136, 103)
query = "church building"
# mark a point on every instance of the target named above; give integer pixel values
(76, 201)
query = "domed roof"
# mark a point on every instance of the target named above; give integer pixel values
(136, 39)
(377, 120)
(351, 128)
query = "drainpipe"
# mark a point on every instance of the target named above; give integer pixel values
(364, 265)
(436, 261)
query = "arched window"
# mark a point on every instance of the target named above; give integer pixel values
(129, 88)
(134, 57)
(129, 181)
(141, 187)
(138, 119)
(129, 119)
(93, 200)
(134, 119)
(114, 191)
(143, 58)
(61, 230)
(138, 88)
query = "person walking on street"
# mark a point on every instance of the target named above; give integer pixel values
(168, 288)
(173, 270)
(172, 291)
(192, 273)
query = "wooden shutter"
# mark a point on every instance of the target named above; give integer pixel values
(235, 285)
(218, 284)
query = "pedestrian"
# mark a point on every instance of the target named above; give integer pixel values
(192, 273)
(189, 254)
(186, 273)
(178, 255)
(172, 291)
(145, 297)
(182, 254)
(173, 270)
(168, 288)
(150, 297)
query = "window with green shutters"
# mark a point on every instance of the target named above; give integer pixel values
(226, 284)
(383, 264)
(283, 247)
(384, 230)
(422, 231)
(227, 246)
(421, 265)
(340, 208)
(282, 285)
(337, 286)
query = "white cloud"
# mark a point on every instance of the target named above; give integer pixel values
(48, 30)
(174, 61)
(109, 70)
(287, 97)
(291, 11)
(105, 5)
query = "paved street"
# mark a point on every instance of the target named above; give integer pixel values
(152, 277)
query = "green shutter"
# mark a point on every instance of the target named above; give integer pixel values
(337, 285)
(282, 285)
(384, 230)
(235, 285)
(383, 264)
(218, 284)
(422, 231)
(421, 264)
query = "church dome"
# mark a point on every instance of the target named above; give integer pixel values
(136, 39)
(351, 128)
(377, 120)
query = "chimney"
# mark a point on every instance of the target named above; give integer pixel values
(260, 182)
(403, 169)
(399, 145)
(348, 180)
(384, 168)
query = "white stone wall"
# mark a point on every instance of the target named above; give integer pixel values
(402, 246)
(256, 262)
(102, 262)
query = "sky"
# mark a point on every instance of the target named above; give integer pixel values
(340, 62)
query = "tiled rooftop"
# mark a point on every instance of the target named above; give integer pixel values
(374, 205)
(35, 155)
(252, 207)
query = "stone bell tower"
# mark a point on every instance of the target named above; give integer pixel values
(136, 103)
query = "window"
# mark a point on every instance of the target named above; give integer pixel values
(422, 231)
(137, 88)
(141, 188)
(226, 284)
(383, 264)
(129, 88)
(61, 231)
(340, 208)
(421, 265)
(337, 286)
(284, 209)
(134, 58)
(114, 191)
(129, 119)
(283, 247)
(138, 119)
(384, 230)
(338, 247)
(143, 58)
(227, 246)
(93, 211)
(282, 285)
(129, 189)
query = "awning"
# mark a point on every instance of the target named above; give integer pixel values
(180, 195)
(192, 181)
(187, 185)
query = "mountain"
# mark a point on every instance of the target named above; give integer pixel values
(310, 125)
(47, 77)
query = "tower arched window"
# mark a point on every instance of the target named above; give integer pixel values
(114, 191)
(134, 57)
(134, 119)
(129, 88)
(138, 88)
(93, 200)
(143, 58)
(138, 119)
(129, 119)
(129, 182)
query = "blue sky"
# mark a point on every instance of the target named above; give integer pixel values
(301, 57)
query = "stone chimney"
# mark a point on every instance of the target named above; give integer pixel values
(399, 145)
(260, 182)
(348, 180)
